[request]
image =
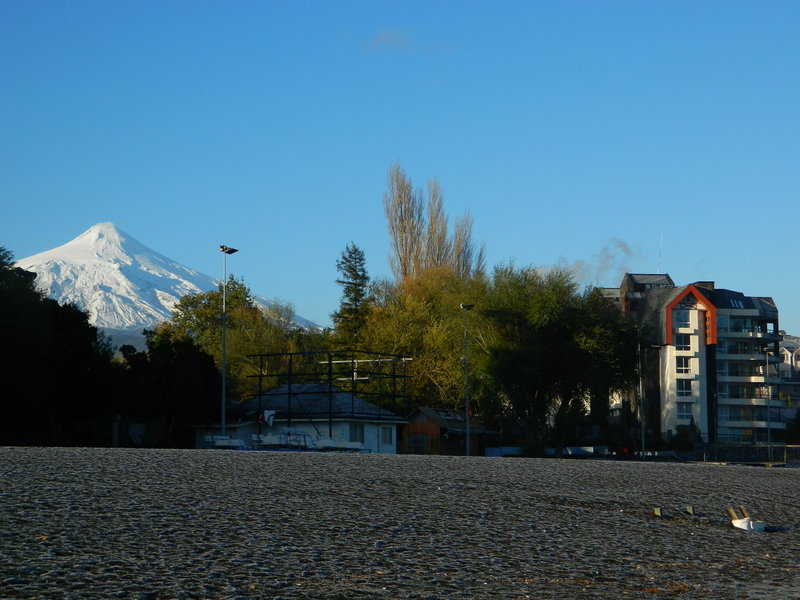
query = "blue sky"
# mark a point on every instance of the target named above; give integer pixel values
(614, 136)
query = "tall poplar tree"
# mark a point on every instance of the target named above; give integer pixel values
(420, 238)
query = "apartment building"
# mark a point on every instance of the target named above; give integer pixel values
(790, 369)
(711, 361)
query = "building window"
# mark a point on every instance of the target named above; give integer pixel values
(357, 432)
(742, 413)
(682, 364)
(683, 341)
(681, 318)
(742, 325)
(684, 387)
(684, 411)
(386, 436)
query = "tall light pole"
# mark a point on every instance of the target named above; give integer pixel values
(768, 398)
(225, 252)
(641, 407)
(468, 442)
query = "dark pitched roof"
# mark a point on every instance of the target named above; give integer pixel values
(608, 292)
(731, 299)
(790, 342)
(651, 279)
(314, 401)
(452, 420)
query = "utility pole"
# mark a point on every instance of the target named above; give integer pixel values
(468, 442)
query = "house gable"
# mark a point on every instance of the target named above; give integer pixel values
(703, 303)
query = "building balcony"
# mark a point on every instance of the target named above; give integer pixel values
(730, 356)
(753, 424)
(723, 378)
(750, 334)
(749, 401)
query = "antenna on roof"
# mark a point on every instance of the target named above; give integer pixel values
(660, 248)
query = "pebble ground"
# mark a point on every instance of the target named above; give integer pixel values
(212, 524)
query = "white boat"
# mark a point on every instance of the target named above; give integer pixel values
(745, 522)
(749, 524)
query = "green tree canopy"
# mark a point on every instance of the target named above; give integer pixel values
(54, 365)
(556, 352)
(251, 329)
(421, 318)
(171, 386)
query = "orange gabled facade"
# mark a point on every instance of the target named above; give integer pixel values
(702, 301)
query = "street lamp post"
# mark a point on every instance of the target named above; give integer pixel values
(642, 411)
(768, 398)
(225, 252)
(468, 441)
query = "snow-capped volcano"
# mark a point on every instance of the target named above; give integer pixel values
(122, 284)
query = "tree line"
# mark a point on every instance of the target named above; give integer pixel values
(543, 357)
(63, 383)
(541, 352)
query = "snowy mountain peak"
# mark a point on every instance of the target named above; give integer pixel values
(104, 240)
(122, 284)
(119, 281)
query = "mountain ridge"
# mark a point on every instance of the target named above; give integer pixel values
(122, 284)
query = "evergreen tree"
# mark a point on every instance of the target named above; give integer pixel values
(351, 316)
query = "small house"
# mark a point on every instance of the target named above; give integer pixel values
(442, 431)
(311, 417)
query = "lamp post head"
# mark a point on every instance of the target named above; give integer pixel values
(467, 306)
(227, 250)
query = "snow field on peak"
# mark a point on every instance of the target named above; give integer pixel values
(122, 284)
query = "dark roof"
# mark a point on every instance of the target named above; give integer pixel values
(790, 342)
(452, 420)
(651, 279)
(313, 401)
(648, 306)
(731, 299)
(608, 292)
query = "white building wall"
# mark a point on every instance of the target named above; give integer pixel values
(674, 407)
(378, 438)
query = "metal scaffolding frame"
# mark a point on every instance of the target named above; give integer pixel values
(378, 378)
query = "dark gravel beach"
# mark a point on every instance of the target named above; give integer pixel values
(148, 524)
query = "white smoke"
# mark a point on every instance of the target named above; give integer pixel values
(607, 267)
